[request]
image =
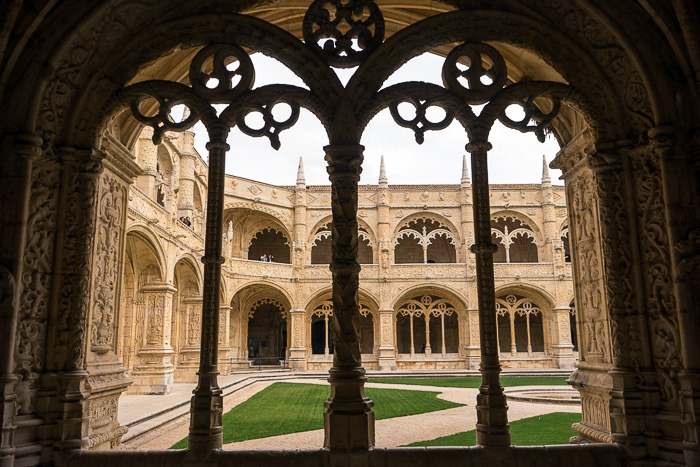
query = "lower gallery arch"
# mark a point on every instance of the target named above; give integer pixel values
(319, 342)
(428, 330)
(260, 330)
(145, 315)
(524, 328)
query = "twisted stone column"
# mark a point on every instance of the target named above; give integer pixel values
(349, 420)
(206, 409)
(492, 412)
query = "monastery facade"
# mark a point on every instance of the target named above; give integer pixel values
(418, 296)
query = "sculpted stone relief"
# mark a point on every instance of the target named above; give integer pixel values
(112, 199)
(589, 269)
(661, 302)
(36, 283)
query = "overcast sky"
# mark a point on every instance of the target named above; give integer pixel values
(515, 157)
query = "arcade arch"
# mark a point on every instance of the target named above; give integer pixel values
(424, 239)
(250, 234)
(260, 325)
(515, 238)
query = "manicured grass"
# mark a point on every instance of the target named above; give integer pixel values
(475, 381)
(290, 407)
(553, 428)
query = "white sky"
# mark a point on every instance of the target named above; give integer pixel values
(515, 157)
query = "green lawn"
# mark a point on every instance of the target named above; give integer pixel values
(291, 407)
(553, 428)
(475, 381)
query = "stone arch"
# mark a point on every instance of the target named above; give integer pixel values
(517, 237)
(425, 238)
(428, 215)
(468, 21)
(255, 232)
(193, 262)
(428, 320)
(523, 327)
(443, 289)
(144, 234)
(260, 325)
(320, 307)
(320, 242)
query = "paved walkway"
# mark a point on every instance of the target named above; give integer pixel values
(390, 432)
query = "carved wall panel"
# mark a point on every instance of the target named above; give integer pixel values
(112, 199)
(660, 300)
(589, 273)
(35, 283)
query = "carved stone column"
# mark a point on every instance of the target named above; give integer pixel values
(387, 346)
(562, 348)
(467, 218)
(206, 408)
(613, 372)
(473, 348)
(349, 419)
(108, 378)
(297, 350)
(224, 347)
(492, 427)
(300, 233)
(155, 371)
(62, 397)
(18, 153)
(185, 196)
(549, 215)
(682, 217)
(188, 360)
(148, 160)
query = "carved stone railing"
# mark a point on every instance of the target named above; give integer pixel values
(147, 207)
(527, 269)
(427, 270)
(260, 269)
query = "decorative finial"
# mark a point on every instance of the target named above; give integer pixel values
(465, 172)
(301, 179)
(546, 179)
(382, 174)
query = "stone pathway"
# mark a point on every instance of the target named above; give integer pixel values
(389, 433)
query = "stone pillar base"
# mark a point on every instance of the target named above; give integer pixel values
(297, 359)
(387, 363)
(563, 356)
(155, 373)
(105, 384)
(387, 358)
(595, 386)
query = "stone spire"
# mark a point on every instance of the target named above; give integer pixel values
(383, 181)
(301, 179)
(465, 172)
(546, 179)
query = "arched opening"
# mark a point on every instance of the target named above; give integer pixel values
(427, 324)
(267, 330)
(321, 246)
(424, 240)
(525, 323)
(565, 242)
(515, 241)
(255, 235)
(269, 245)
